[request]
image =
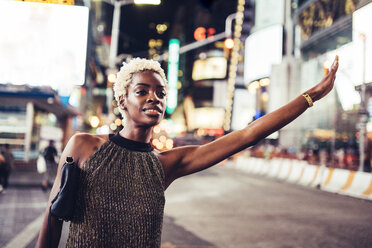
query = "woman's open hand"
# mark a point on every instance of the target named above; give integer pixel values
(325, 86)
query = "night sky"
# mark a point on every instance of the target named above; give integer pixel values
(137, 23)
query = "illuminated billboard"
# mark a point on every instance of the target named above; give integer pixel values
(43, 44)
(173, 64)
(362, 53)
(263, 49)
(210, 68)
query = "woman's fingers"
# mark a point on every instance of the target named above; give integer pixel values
(335, 63)
(332, 74)
(334, 66)
(326, 85)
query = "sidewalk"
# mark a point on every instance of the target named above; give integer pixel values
(20, 206)
(25, 178)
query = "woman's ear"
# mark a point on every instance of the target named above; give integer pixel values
(122, 103)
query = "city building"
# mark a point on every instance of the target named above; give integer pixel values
(291, 47)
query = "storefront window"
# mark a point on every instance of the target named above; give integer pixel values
(13, 130)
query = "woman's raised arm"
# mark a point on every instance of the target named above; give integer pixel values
(186, 160)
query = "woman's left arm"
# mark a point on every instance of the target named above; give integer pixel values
(190, 159)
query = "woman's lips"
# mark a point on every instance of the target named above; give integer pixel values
(152, 110)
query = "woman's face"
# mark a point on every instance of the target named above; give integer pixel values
(145, 102)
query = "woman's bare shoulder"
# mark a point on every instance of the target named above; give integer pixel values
(89, 139)
(82, 145)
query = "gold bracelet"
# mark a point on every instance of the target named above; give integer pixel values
(308, 99)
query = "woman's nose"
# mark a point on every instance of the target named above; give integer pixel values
(152, 98)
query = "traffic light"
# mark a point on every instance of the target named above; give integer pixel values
(201, 33)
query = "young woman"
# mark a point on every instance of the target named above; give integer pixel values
(121, 194)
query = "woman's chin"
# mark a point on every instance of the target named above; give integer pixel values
(154, 120)
(153, 115)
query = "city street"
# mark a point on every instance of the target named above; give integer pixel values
(286, 82)
(222, 207)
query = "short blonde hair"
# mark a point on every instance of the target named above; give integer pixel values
(124, 76)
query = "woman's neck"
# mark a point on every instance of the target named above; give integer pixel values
(140, 134)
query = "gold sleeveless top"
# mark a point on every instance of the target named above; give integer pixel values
(121, 197)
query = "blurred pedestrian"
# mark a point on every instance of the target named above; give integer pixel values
(323, 156)
(120, 200)
(340, 158)
(349, 159)
(6, 166)
(301, 155)
(50, 153)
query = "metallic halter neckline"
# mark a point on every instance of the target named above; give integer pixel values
(130, 144)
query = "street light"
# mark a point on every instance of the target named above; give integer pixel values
(363, 111)
(116, 24)
(153, 2)
(211, 39)
(229, 43)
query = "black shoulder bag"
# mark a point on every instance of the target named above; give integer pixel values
(63, 205)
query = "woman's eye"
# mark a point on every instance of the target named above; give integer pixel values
(141, 92)
(161, 94)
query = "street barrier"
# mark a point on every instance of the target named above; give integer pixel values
(346, 182)
(359, 184)
(296, 172)
(265, 168)
(285, 169)
(275, 167)
(255, 166)
(334, 179)
(314, 174)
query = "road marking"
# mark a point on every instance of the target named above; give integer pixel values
(27, 234)
(168, 245)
